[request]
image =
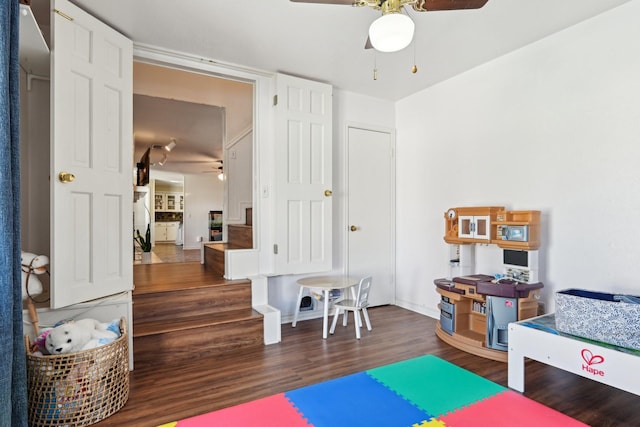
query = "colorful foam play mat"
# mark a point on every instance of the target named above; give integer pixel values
(421, 392)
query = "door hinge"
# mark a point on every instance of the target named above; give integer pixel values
(275, 249)
(64, 15)
(275, 99)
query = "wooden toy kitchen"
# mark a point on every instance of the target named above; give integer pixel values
(475, 309)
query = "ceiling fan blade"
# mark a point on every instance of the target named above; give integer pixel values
(368, 44)
(196, 161)
(433, 5)
(346, 2)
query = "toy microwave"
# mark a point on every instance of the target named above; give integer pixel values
(515, 233)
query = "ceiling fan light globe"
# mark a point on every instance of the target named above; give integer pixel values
(391, 32)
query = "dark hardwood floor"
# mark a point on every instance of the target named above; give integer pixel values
(168, 392)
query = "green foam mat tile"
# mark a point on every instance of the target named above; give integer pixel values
(435, 385)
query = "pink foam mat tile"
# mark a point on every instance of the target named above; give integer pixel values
(508, 409)
(272, 411)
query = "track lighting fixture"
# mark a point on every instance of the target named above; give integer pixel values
(171, 145)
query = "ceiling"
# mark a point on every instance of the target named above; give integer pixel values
(200, 112)
(197, 130)
(325, 42)
(321, 42)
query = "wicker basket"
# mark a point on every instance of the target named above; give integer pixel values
(78, 389)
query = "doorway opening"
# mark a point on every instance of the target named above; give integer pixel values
(207, 121)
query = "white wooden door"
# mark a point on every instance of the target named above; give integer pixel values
(303, 176)
(371, 210)
(91, 216)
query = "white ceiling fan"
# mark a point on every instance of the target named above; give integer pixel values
(218, 169)
(393, 31)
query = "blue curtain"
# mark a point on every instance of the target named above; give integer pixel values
(13, 376)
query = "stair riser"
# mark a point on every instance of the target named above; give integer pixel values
(239, 236)
(190, 302)
(192, 343)
(214, 260)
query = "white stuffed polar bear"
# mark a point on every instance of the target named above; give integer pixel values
(77, 336)
(32, 266)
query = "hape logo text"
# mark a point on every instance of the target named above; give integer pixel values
(590, 360)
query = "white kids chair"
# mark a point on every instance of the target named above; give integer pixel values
(359, 304)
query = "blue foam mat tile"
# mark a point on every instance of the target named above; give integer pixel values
(354, 400)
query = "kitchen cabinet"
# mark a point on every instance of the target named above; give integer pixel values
(166, 231)
(158, 202)
(172, 232)
(168, 202)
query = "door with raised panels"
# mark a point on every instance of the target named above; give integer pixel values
(92, 158)
(303, 176)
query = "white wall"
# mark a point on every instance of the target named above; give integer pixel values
(348, 108)
(142, 213)
(34, 166)
(238, 170)
(236, 97)
(202, 193)
(553, 126)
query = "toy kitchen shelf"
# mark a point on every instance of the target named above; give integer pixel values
(485, 225)
(466, 316)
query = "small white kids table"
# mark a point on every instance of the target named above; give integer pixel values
(326, 284)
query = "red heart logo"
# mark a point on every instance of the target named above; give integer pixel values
(590, 358)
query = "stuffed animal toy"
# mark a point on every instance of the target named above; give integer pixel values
(32, 266)
(78, 335)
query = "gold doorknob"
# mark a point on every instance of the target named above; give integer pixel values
(65, 177)
(353, 228)
(328, 193)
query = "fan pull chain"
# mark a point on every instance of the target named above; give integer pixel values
(414, 69)
(375, 68)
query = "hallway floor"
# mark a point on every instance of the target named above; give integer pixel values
(170, 252)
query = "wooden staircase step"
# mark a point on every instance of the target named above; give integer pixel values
(182, 311)
(202, 300)
(141, 329)
(171, 276)
(190, 339)
(214, 258)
